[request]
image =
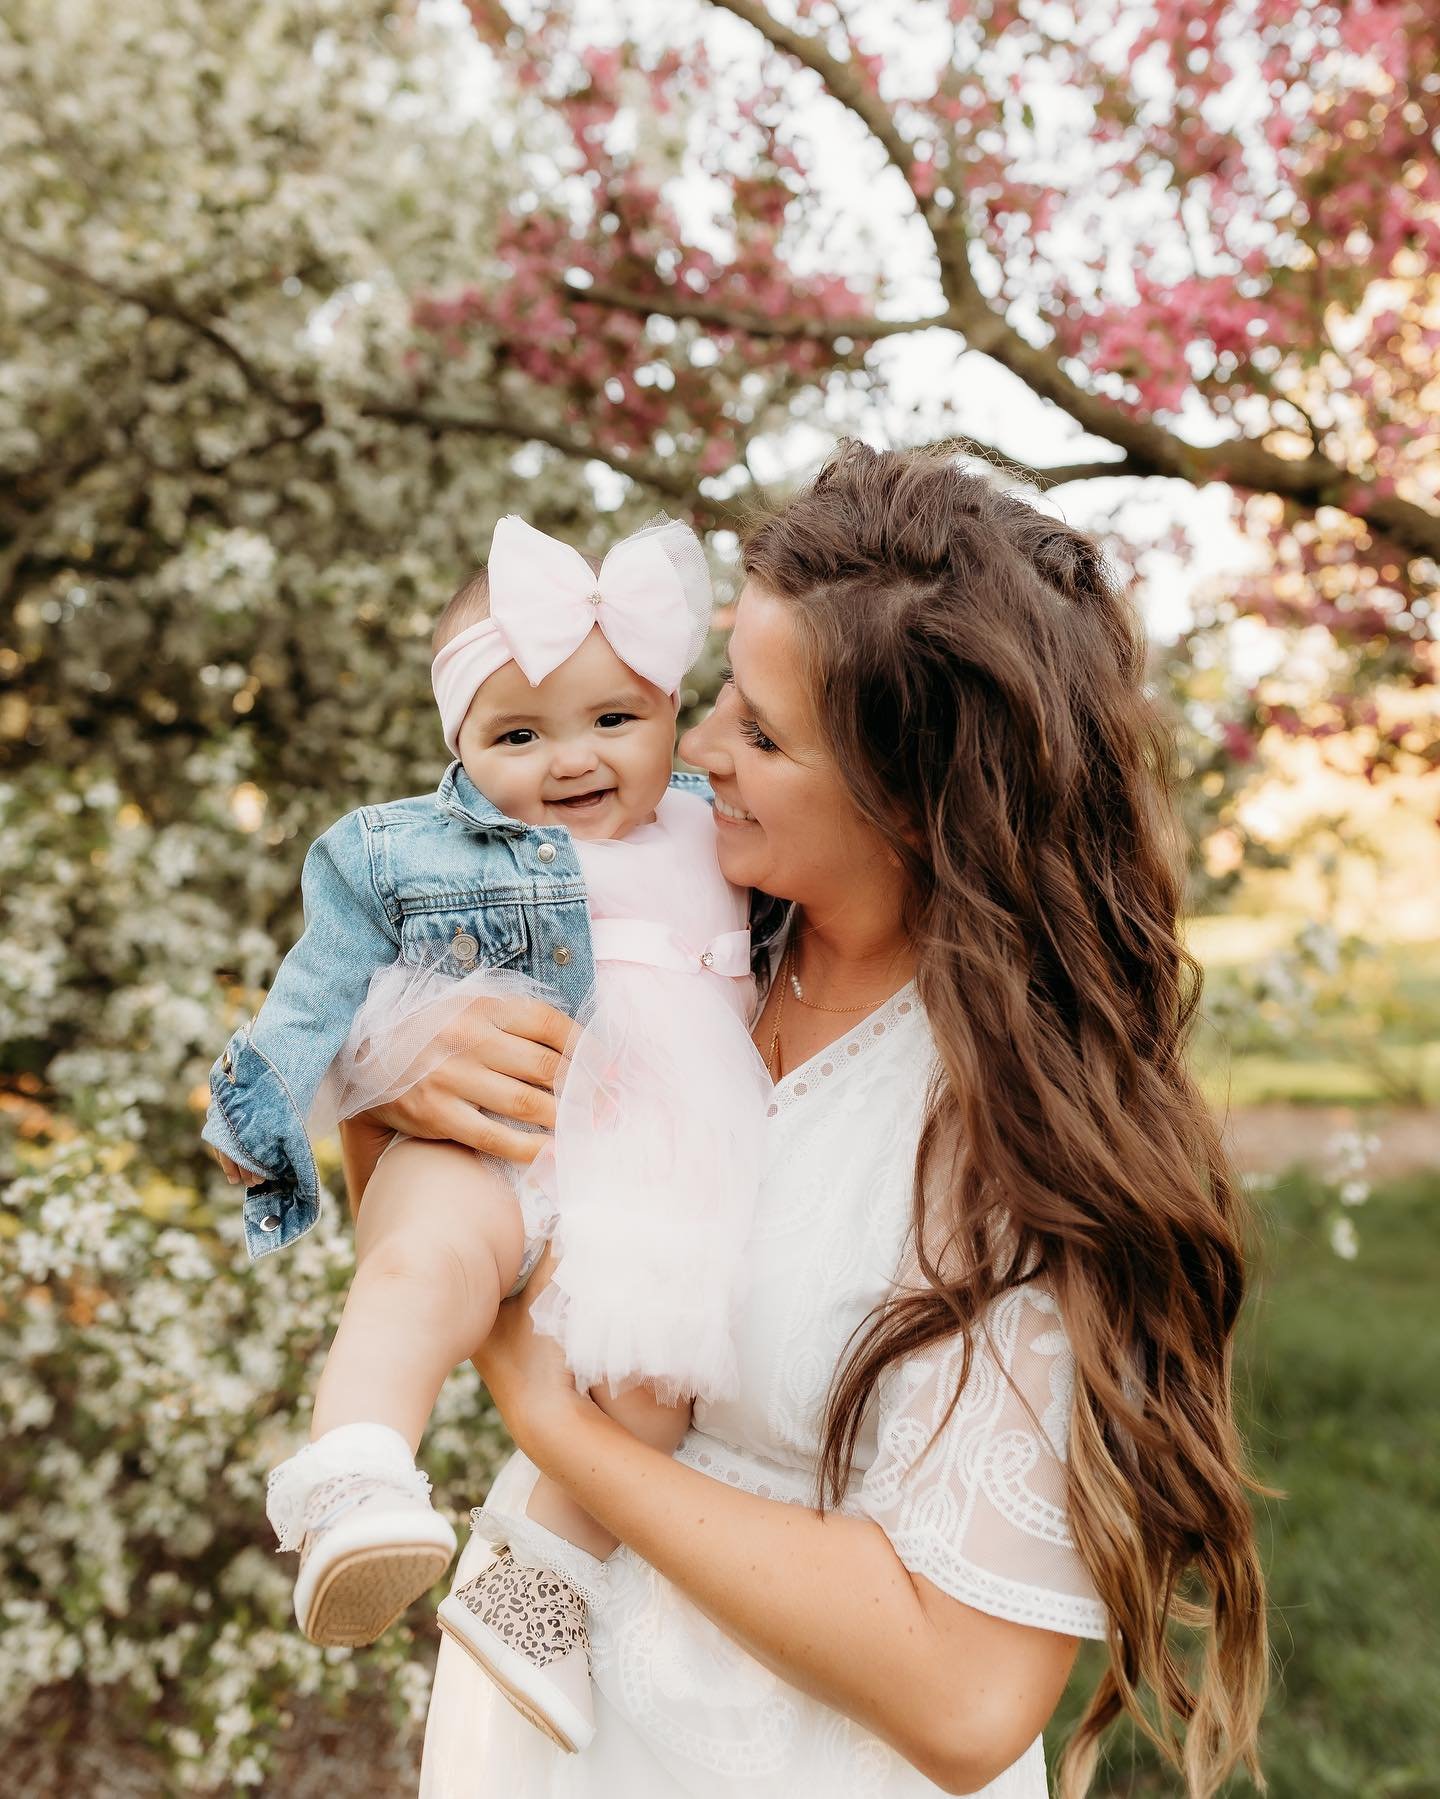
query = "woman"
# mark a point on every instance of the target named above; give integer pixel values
(998, 1265)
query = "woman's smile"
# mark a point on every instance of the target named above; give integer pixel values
(732, 815)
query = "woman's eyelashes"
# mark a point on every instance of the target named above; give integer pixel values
(749, 730)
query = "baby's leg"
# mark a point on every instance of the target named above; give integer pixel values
(438, 1245)
(661, 1426)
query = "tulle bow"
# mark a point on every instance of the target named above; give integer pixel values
(546, 599)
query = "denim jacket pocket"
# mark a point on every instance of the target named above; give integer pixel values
(473, 935)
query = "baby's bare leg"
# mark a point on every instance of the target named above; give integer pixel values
(438, 1246)
(661, 1426)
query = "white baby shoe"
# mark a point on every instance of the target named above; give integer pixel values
(525, 1619)
(358, 1510)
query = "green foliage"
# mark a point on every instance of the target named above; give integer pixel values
(220, 560)
(1339, 1371)
(149, 1380)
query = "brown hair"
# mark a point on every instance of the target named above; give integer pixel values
(977, 675)
(469, 603)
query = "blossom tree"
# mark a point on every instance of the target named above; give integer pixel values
(230, 509)
(298, 296)
(1208, 239)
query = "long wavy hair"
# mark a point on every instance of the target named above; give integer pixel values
(978, 677)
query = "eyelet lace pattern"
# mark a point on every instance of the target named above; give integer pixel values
(838, 1058)
(533, 1546)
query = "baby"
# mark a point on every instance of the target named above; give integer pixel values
(560, 847)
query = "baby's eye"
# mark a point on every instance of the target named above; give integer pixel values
(519, 738)
(610, 719)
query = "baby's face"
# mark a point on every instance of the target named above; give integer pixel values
(589, 748)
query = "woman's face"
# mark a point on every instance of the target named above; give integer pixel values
(785, 819)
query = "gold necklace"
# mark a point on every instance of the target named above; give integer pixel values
(771, 1063)
(809, 1004)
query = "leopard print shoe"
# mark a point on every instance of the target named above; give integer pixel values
(528, 1628)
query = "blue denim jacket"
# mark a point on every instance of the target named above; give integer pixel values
(410, 878)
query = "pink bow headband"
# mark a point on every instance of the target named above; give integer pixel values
(651, 598)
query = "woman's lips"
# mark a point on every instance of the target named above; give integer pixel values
(732, 815)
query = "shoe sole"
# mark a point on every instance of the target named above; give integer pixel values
(522, 1705)
(368, 1589)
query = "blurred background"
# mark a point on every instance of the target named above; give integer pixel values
(296, 298)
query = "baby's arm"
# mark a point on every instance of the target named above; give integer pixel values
(643, 1415)
(662, 1427)
(262, 1088)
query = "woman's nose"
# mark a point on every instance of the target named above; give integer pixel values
(703, 745)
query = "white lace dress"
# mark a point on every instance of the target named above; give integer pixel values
(683, 1712)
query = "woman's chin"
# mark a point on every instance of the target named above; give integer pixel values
(737, 849)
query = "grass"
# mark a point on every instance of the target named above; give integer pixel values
(1340, 1369)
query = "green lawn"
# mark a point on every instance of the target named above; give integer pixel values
(1341, 1377)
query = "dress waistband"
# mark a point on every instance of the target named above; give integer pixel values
(657, 946)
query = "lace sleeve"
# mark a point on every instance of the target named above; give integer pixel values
(982, 1514)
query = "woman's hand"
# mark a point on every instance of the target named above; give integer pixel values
(513, 1054)
(532, 1388)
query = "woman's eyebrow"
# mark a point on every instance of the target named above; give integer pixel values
(755, 711)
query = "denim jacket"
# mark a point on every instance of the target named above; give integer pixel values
(409, 879)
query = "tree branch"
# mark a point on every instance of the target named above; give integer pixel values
(676, 484)
(846, 83)
(1044, 478)
(158, 306)
(1149, 447)
(843, 80)
(673, 303)
(635, 468)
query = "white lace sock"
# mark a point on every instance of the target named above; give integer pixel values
(531, 1545)
(325, 1479)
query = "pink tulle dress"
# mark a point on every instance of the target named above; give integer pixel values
(647, 1191)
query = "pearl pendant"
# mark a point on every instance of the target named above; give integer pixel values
(795, 986)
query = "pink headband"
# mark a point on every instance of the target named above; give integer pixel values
(651, 599)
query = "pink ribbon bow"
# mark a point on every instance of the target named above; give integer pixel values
(545, 598)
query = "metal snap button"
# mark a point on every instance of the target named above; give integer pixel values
(270, 1222)
(562, 955)
(228, 1065)
(464, 948)
(546, 852)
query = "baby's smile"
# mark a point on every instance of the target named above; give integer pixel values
(589, 747)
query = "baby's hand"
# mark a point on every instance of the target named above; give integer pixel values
(234, 1173)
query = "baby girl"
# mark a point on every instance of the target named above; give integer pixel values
(559, 832)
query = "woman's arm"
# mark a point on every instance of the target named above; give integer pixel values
(824, 1602)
